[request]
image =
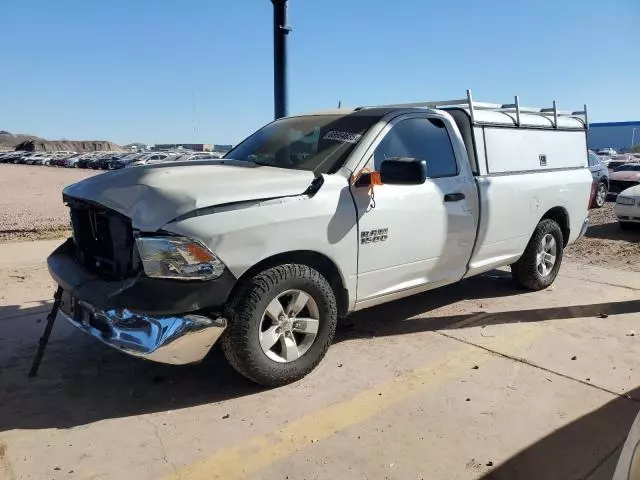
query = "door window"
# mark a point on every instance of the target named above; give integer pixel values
(594, 160)
(423, 138)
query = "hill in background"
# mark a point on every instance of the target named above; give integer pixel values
(10, 141)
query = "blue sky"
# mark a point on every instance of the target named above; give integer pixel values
(127, 70)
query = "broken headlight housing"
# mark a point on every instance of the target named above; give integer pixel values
(178, 258)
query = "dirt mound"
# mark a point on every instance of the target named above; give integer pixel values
(8, 141)
(67, 145)
(32, 143)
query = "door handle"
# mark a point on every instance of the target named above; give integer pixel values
(454, 197)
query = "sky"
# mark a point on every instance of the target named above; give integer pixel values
(132, 70)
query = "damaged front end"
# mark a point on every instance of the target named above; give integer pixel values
(147, 305)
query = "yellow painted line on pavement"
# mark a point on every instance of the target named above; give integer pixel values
(260, 451)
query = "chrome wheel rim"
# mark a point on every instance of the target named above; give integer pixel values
(601, 195)
(289, 326)
(547, 254)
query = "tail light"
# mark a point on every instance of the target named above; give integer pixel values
(592, 195)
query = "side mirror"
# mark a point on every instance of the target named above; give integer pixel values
(403, 171)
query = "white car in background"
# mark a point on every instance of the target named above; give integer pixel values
(189, 157)
(151, 159)
(628, 208)
(35, 159)
(608, 152)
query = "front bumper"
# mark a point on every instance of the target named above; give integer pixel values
(176, 340)
(628, 213)
(139, 293)
(158, 319)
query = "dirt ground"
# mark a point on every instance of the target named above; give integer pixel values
(31, 200)
(606, 244)
(480, 380)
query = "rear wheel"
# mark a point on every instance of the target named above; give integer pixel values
(539, 265)
(601, 195)
(280, 325)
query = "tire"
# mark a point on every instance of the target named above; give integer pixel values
(601, 195)
(247, 316)
(526, 271)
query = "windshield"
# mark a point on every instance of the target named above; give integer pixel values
(318, 143)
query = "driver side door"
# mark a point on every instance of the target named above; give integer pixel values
(415, 237)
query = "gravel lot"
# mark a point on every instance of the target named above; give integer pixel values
(605, 244)
(32, 208)
(31, 205)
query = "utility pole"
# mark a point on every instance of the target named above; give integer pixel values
(280, 32)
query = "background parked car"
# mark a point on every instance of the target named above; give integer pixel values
(102, 161)
(190, 157)
(150, 159)
(600, 175)
(33, 159)
(613, 164)
(607, 152)
(123, 160)
(623, 177)
(11, 157)
(62, 159)
(87, 161)
(628, 208)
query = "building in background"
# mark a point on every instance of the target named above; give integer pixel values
(196, 147)
(620, 136)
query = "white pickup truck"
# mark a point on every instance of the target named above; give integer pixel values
(314, 217)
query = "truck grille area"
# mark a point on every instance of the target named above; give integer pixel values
(103, 239)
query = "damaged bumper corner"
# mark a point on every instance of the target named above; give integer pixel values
(157, 319)
(583, 230)
(176, 340)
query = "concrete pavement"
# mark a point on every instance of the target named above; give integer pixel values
(476, 380)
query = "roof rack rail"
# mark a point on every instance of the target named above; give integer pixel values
(472, 105)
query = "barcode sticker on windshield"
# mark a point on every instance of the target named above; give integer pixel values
(345, 137)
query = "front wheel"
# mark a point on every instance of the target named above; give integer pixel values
(280, 324)
(539, 265)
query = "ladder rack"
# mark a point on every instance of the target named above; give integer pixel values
(514, 107)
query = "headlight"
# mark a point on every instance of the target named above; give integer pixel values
(178, 258)
(625, 200)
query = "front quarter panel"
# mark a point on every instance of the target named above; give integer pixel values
(245, 234)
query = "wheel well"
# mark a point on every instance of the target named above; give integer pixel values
(315, 260)
(561, 217)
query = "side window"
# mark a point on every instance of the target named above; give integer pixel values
(423, 138)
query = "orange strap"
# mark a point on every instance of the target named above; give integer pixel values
(374, 178)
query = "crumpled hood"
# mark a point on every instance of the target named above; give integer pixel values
(151, 196)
